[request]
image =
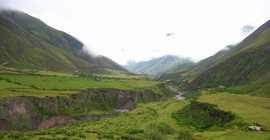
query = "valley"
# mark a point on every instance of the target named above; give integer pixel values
(52, 89)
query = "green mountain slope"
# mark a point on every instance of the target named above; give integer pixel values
(28, 42)
(156, 67)
(248, 62)
(244, 67)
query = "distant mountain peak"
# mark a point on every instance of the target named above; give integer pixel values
(156, 66)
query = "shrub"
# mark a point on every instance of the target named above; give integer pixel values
(153, 135)
(133, 131)
(34, 87)
(185, 135)
(161, 127)
(17, 83)
(127, 137)
(203, 116)
(82, 135)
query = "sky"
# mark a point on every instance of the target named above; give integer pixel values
(140, 30)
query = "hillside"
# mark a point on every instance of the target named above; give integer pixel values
(246, 63)
(27, 42)
(157, 66)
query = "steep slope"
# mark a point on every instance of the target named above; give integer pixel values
(248, 62)
(34, 44)
(155, 67)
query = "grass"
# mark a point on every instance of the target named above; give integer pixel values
(252, 109)
(47, 83)
(52, 73)
(260, 89)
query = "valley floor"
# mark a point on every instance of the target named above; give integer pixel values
(138, 124)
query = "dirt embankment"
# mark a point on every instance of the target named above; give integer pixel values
(28, 113)
(61, 120)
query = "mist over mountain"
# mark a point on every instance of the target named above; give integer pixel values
(157, 66)
(28, 42)
(243, 64)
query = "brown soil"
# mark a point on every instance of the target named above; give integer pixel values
(56, 120)
(61, 120)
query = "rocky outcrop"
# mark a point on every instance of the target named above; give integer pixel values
(28, 113)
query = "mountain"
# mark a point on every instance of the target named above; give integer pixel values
(155, 67)
(198, 68)
(27, 42)
(246, 63)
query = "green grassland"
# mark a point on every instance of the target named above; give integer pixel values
(47, 83)
(251, 109)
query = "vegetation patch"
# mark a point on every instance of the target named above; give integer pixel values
(250, 108)
(203, 116)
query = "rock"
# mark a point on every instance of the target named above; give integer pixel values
(255, 128)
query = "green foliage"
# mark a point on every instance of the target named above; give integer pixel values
(134, 131)
(82, 135)
(250, 108)
(203, 116)
(161, 127)
(255, 89)
(42, 113)
(185, 135)
(153, 135)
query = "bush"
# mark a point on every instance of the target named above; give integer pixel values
(126, 137)
(64, 138)
(82, 135)
(71, 133)
(185, 135)
(7, 80)
(34, 87)
(203, 116)
(153, 135)
(16, 135)
(161, 127)
(133, 131)
(165, 128)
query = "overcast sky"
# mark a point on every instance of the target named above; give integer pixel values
(137, 29)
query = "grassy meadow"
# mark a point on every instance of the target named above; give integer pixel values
(251, 108)
(47, 83)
